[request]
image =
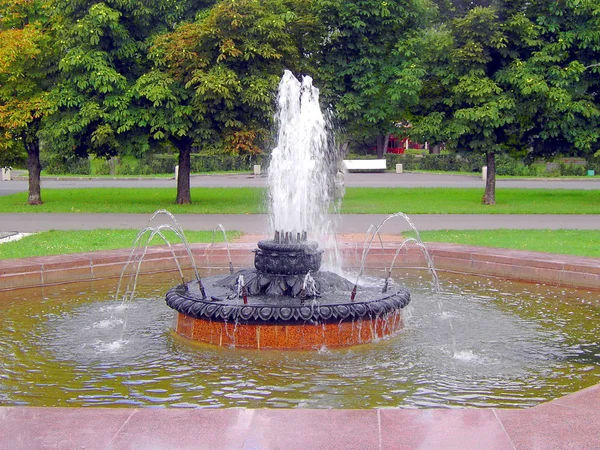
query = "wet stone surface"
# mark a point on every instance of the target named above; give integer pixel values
(222, 302)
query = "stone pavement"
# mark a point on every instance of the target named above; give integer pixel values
(257, 223)
(570, 422)
(350, 223)
(407, 180)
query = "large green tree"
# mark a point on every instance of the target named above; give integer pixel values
(216, 77)
(104, 67)
(514, 76)
(27, 69)
(364, 66)
(556, 82)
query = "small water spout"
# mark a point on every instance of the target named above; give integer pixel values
(309, 287)
(212, 246)
(417, 241)
(242, 290)
(140, 248)
(421, 246)
(387, 281)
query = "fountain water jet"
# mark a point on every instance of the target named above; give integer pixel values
(285, 301)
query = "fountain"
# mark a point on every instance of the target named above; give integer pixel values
(286, 301)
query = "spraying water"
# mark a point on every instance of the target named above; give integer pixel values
(303, 162)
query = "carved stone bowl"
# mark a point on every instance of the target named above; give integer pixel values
(287, 258)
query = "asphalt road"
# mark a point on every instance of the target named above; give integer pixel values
(407, 180)
(257, 223)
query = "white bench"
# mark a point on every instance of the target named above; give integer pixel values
(365, 165)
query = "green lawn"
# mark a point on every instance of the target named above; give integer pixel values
(140, 200)
(567, 242)
(570, 242)
(468, 201)
(357, 200)
(56, 242)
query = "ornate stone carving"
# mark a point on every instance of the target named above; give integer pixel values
(286, 287)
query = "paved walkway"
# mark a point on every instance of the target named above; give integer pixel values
(258, 223)
(349, 223)
(570, 422)
(407, 180)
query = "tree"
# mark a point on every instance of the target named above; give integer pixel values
(365, 67)
(557, 81)
(104, 68)
(27, 68)
(217, 76)
(514, 76)
(463, 103)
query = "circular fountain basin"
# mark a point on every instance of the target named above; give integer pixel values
(491, 344)
(266, 321)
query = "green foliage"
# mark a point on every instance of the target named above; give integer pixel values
(572, 170)
(165, 164)
(446, 163)
(65, 164)
(27, 69)
(228, 63)
(593, 163)
(507, 165)
(225, 162)
(365, 64)
(513, 76)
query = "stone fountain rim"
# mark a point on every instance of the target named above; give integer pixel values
(182, 300)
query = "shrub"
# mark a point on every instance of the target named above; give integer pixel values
(507, 165)
(157, 163)
(446, 163)
(59, 165)
(593, 163)
(126, 168)
(102, 167)
(576, 170)
(409, 162)
(223, 162)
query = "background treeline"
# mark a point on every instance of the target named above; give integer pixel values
(138, 79)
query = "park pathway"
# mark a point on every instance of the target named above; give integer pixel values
(257, 223)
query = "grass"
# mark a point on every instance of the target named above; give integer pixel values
(140, 200)
(568, 242)
(468, 201)
(356, 201)
(56, 242)
(565, 242)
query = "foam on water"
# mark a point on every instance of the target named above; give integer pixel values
(109, 347)
(108, 323)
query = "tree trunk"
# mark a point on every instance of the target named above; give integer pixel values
(386, 143)
(489, 198)
(32, 145)
(380, 146)
(184, 145)
(344, 148)
(434, 149)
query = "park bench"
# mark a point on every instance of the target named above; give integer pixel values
(365, 165)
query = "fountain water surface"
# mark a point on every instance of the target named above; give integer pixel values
(285, 301)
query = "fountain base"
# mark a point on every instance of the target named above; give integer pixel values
(275, 322)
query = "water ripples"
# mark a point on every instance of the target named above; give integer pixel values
(507, 347)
